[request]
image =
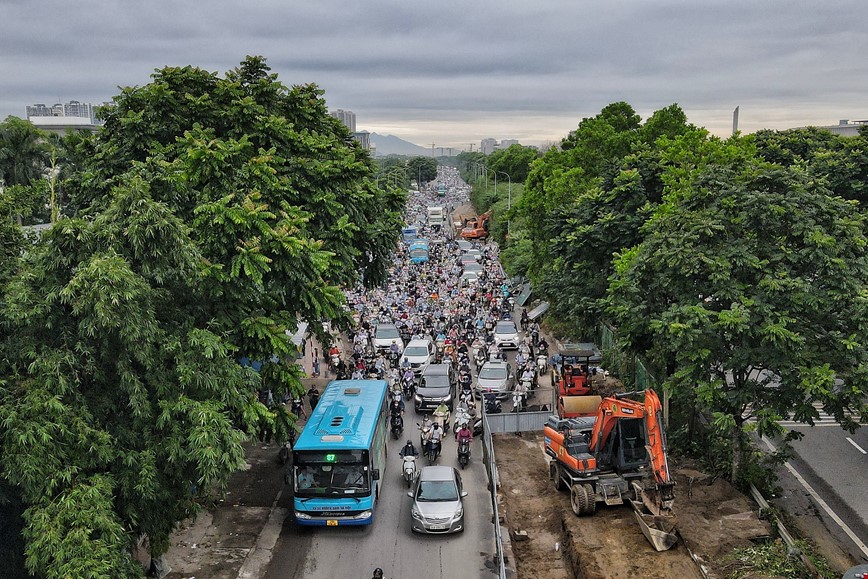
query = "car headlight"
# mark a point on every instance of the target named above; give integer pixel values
(416, 514)
(459, 513)
(363, 515)
(417, 398)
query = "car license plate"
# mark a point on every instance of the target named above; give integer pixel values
(331, 523)
(438, 527)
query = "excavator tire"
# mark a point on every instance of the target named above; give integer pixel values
(555, 472)
(578, 500)
(592, 499)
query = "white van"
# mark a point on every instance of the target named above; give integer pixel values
(436, 216)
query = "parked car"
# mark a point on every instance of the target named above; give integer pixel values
(438, 506)
(506, 334)
(495, 376)
(384, 335)
(419, 353)
(437, 386)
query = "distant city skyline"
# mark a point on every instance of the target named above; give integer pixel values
(453, 73)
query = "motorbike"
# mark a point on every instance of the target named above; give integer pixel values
(285, 452)
(424, 429)
(542, 364)
(443, 419)
(409, 469)
(334, 360)
(519, 399)
(396, 425)
(432, 450)
(492, 404)
(297, 407)
(463, 453)
(479, 358)
(393, 359)
(408, 386)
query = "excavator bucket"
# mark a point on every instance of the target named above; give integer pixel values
(658, 524)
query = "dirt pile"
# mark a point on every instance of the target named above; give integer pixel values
(713, 519)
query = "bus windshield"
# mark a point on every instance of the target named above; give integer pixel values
(326, 473)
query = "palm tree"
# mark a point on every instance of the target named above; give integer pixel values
(23, 152)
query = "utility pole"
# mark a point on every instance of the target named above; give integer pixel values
(432, 150)
(471, 147)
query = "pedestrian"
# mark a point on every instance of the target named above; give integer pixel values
(315, 373)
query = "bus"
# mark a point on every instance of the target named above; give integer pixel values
(340, 455)
(409, 234)
(419, 251)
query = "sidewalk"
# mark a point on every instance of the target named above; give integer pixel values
(235, 539)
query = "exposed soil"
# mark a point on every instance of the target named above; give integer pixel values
(713, 518)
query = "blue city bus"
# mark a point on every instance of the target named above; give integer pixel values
(340, 456)
(409, 234)
(419, 251)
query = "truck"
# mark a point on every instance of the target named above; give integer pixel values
(476, 227)
(436, 216)
(617, 456)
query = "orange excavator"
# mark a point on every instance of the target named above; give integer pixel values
(476, 227)
(617, 456)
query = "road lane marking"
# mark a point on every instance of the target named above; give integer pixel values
(823, 504)
(859, 448)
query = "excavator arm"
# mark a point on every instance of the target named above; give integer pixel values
(650, 410)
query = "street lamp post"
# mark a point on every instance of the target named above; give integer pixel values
(509, 195)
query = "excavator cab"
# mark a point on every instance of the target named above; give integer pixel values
(624, 451)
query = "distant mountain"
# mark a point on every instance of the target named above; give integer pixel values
(392, 145)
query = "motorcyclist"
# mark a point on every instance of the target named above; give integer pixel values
(313, 396)
(409, 450)
(442, 412)
(435, 435)
(378, 574)
(527, 375)
(464, 433)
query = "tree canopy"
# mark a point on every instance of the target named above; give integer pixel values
(751, 281)
(213, 213)
(422, 169)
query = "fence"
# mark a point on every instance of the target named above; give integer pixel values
(491, 467)
(516, 421)
(629, 367)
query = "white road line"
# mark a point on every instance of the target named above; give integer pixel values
(859, 448)
(825, 506)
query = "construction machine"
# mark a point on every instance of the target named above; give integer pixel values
(617, 456)
(476, 227)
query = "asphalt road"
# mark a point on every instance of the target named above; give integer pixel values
(834, 463)
(353, 552)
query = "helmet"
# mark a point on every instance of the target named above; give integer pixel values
(409, 442)
(378, 572)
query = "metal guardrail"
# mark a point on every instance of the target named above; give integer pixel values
(491, 467)
(516, 421)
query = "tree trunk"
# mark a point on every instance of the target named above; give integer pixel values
(736, 451)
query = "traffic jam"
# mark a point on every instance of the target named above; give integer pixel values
(439, 330)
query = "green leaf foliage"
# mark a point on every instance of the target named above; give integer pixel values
(214, 213)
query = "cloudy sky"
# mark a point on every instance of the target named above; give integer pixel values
(453, 72)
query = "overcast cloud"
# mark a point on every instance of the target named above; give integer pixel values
(453, 72)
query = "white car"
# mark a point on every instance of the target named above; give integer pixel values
(384, 335)
(506, 334)
(419, 353)
(469, 278)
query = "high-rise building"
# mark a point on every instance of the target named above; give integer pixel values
(507, 143)
(71, 109)
(487, 146)
(346, 117)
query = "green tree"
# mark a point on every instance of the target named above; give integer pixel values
(23, 152)
(515, 161)
(424, 168)
(218, 213)
(750, 283)
(590, 200)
